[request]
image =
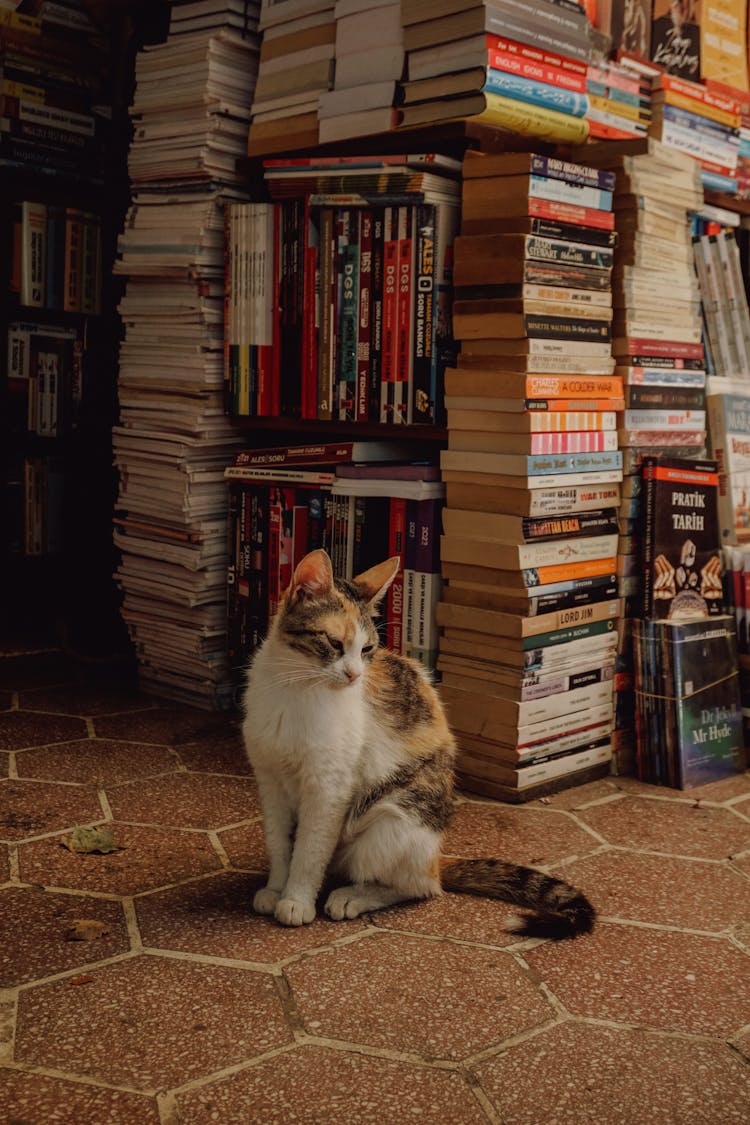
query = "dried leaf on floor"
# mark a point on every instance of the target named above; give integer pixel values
(91, 841)
(86, 929)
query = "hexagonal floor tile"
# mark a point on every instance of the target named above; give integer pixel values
(220, 753)
(151, 1022)
(313, 1084)
(4, 863)
(463, 917)
(33, 808)
(525, 835)
(85, 699)
(575, 1074)
(662, 889)
(246, 846)
(674, 827)
(96, 761)
(166, 724)
(214, 916)
(150, 858)
(33, 928)
(661, 979)
(727, 788)
(432, 998)
(579, 795)
(20, 729)
(186, 801)
(28, 1098)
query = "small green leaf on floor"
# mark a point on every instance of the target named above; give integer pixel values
(88, 841)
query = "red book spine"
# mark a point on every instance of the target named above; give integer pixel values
(537, 71)
(274, 539)
(609, 132)
(364, 304)
(581, 441)
(640, 346)
(395, 595)
(405, 313)
(390, 280)
(571, 213)
(526, 51)
(309, 357)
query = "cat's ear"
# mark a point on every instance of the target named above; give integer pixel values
(375, 581)
(312, 578)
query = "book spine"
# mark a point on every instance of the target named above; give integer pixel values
(429, 582)
(570, 232)
(517, 26)
(390, 311)
(364, 315)
(327, 333)
(524, 50)
(55, 257)
(533, 120)
(395, 595)
(349, 267)
(585, 441)
(410, 578)
(536, 93)
(565, 328)
(310, 314)
(568, 635)
(563, 191)
(422, 404)
(73, 240)
(33, 253)
(536, 71)
(404, 315)
(575, 214)
(376, 318)
(266, 274)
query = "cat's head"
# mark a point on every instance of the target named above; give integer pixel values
(326, 624)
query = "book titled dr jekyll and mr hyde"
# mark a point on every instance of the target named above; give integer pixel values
(688, 714)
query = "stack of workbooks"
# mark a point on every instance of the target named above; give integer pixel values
(516, 64)
(657, 341)
(369, 62)
(172, 438)
(529, 616)
(701, 121)
(317, 326)
(362, 502)
(296, 66)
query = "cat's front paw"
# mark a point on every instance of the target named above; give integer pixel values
(265, 900)
(292, 912)
(344, 903)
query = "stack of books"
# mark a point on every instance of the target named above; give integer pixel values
(286, 501)
(349, 313)
(530, 609)
(657, 344)
(619, 101)
(172, 438)
(743, 154)
(723, 299)
(516, 64)
(369, 63)
(701, 121)
(54, 115)
(296, 67)
(689, 719)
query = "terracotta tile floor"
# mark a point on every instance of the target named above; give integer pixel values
(190, 1009)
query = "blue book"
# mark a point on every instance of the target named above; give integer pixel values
(714, 181)
(706, 125)
(536, 93)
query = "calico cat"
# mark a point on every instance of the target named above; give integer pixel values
(353, 759)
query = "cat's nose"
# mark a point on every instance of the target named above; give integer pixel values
(351, 676)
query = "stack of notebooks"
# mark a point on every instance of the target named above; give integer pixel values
(361, 502)
(172, 438)
(702, 121)
(296, 67)
(530, 610)
(369, 63)
(657, 342)
(519, 65)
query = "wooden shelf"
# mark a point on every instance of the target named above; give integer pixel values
(296, 429)
(729, 202)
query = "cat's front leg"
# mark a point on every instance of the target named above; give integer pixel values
(318, 832)
(278, 826)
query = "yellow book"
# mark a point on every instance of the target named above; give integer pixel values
(532, 120)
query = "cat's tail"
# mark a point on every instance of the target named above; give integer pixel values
(559, 910)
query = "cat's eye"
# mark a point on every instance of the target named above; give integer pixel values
(337, 646)
(368, 649)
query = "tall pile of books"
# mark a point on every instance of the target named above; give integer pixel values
(516, 64)
(701, 121)
(340, 290)
(190, 118)
(296, 67)
(54, 115)
(723, 299)
(362, 502)
(530, 610)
